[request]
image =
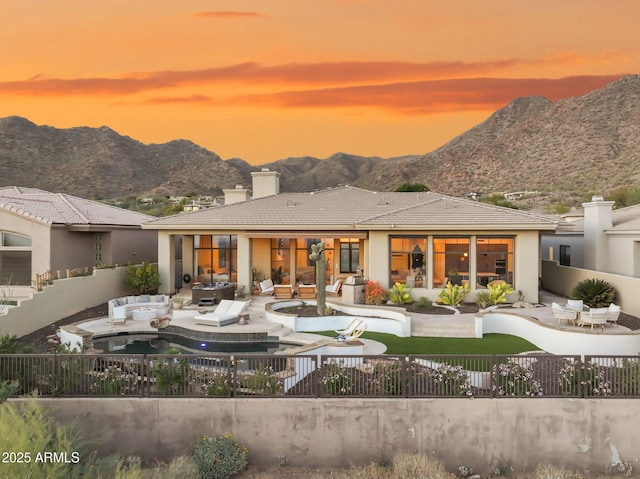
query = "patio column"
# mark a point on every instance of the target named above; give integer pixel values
(166, 262)
(244, 263)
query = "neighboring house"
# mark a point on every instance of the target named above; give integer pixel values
(604, 240)
(423, 239)
(42, 231)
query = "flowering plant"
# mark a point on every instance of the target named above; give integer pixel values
(374, 293)
(513, 379)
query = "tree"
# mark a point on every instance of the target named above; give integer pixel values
(317, 255)
(412, 187)
(142, 279)
(497, 200)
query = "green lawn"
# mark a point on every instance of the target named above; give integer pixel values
(489, 344)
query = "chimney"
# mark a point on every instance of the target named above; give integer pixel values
(598, 217)
(265, 183)
(235, 195)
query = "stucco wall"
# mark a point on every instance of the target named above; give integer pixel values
(562, 279)
(61, 299)
(40, 239)
(477, 433)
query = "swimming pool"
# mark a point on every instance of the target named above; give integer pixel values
(160, 343)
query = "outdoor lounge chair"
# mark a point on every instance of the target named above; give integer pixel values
(334, 289)
(594, 317)
(283, 291)
(226, 312)
(307, 291)
(266, 287)
(359, 331)
(560, 314)
(349, 329)
(613, 313)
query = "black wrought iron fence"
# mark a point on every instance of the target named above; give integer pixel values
(453, 376)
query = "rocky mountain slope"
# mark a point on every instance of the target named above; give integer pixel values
(571, 148)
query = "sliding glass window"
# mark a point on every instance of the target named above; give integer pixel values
(494, 260)
(408, 259)
(215, 258)
(450, 261)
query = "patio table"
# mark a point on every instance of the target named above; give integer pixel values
(144, 314)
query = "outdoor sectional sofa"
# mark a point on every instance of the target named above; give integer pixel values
(120, 309)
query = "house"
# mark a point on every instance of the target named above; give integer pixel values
(421, 239)
(603, 240)
(42, 231)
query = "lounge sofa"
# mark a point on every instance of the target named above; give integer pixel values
(120, 309)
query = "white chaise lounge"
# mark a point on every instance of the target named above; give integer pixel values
(226, 312)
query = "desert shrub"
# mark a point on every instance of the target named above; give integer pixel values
(263, 381)
(172, 376)
(595, 293)
(587, 378)
(113, 381)
(8, 388)
(390, 377)
(547, 471)
(452, 380)
(374, 293)
(142, 279)
(423, 302)
(336, 379)
(453, 294)
(513, 379)
(219, 457)
(400, 294)
(217, 385)
(26, 429)
(418, 465)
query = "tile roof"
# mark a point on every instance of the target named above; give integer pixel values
(60, 208)
(623, 220)
(355, 208)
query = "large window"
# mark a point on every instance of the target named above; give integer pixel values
(216, 258)
(408, 258)
(15, 259)
(494, 260)
(349, 255)
(305, 267)
(450, 261)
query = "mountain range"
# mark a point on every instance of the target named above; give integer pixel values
(564, 150)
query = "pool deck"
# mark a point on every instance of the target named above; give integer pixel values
(421, 324)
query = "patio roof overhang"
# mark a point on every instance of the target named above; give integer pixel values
(307, 234)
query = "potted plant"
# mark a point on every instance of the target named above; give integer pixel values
(177, 301)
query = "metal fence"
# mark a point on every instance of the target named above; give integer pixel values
(489, 376)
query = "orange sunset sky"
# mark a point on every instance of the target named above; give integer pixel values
(269, 79)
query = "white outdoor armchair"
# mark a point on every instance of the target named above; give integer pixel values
(563, 314)
(613, 313)
(594, 317)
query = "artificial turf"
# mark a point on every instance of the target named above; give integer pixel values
(488, 344)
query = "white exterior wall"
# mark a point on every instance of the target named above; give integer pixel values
(527, 265)
(621, 255)
(597, 218)
(378, 261)
(576, 242)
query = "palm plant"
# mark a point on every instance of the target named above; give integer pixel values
(595, 293)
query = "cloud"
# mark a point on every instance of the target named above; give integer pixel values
(428, 97)
(337, 73)
(229, 14)
(403, 87)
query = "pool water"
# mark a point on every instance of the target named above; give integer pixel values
(160, 343)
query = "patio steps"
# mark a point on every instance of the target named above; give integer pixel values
(279, 331)
(445, 326)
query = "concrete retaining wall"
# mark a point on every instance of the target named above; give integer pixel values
(63, 298)
(520, 433)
